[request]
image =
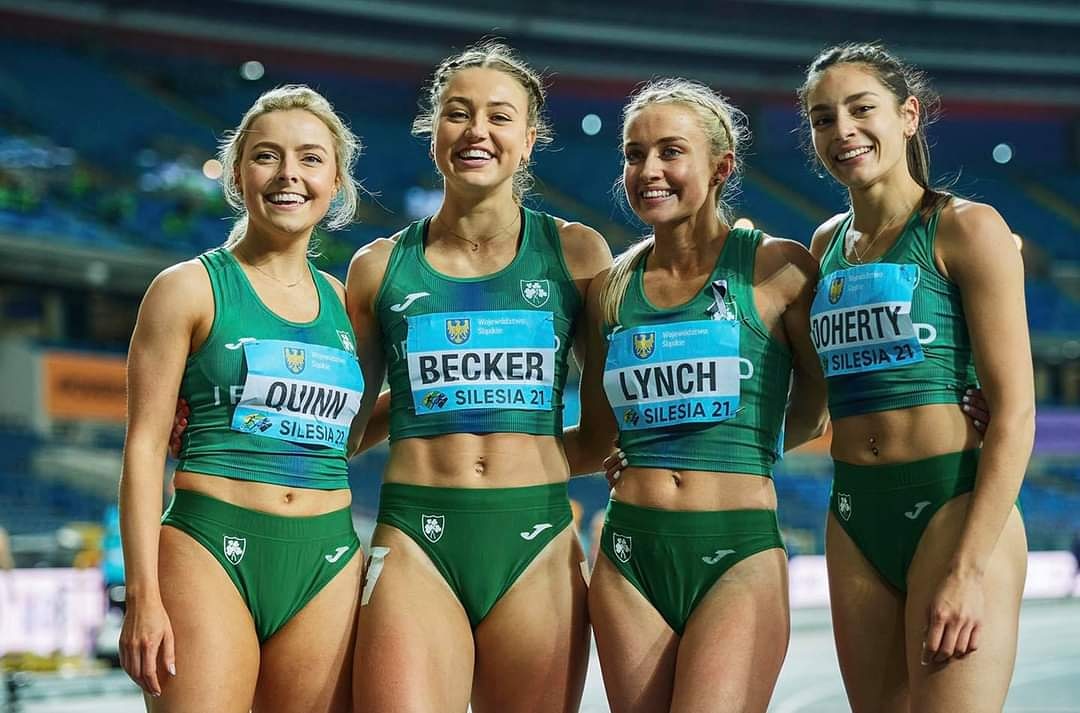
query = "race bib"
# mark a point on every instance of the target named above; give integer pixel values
(301, 393)
(666, 374)
(860, 320)
(496, 359)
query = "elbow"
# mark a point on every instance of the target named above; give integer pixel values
(816, 422)
(1015, 424)
(821, 425)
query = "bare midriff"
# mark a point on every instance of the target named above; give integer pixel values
(667, 489)
(903, 436)
(265, 497)
(469, 460)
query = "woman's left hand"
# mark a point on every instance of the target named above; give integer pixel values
(954, 618)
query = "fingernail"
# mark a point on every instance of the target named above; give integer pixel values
(966, 399)
(966, 407)
(978, 423)
(617, 475)
(967, 391)
(622, 454)
(623, 463)
(172, 669)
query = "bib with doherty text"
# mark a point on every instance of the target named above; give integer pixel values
(860, 320)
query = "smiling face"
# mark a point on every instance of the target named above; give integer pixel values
(859, 129)
(482, 133)
(670, 172)
(287, 172)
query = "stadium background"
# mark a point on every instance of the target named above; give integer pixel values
(109, 116)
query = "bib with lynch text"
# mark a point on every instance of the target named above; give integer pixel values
(667, 374)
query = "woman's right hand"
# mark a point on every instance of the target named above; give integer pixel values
(145, 638)
(613, 466)
(180, 423)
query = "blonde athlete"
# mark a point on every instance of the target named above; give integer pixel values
(475, 590)
(229, 595)
(695, 337)
(919, 291)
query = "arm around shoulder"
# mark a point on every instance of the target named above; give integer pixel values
(588, 443)
(807, 413)
(367, 270)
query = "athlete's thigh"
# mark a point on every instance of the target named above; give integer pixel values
(532, 649)
(979, 681)
(414, 645)
(217, 650)
(736, 639)
(868, 625)
(636, 646)
(307, 664)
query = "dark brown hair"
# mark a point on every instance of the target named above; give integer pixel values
(904, 81)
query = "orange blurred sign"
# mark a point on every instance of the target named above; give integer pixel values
(84, 387)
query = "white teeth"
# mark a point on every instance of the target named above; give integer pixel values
(656, 193)
(286, 198)
(474, 153)
(853, 153)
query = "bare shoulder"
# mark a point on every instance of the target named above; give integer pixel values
(970, 221)
(973, 241)
(584, 248)
(785, 268)
(819, 242)
(179, 294)
(783, 251)
(187, 281)
(369, 261)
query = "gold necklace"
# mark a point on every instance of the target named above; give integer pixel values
(476, 243)
(278, 280)
(853, 236)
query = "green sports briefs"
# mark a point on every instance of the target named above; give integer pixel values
(885, 508)
(674, 557)
(277, 563)
(480, 539)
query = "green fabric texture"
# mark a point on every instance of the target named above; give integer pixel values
(675, 557)
(886, 508)
(752, 441)
(480, 539)
(215, 374)
(536, 280)
(949, 366)
(278, 564)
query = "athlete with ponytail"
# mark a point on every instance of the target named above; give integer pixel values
(921, 292)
